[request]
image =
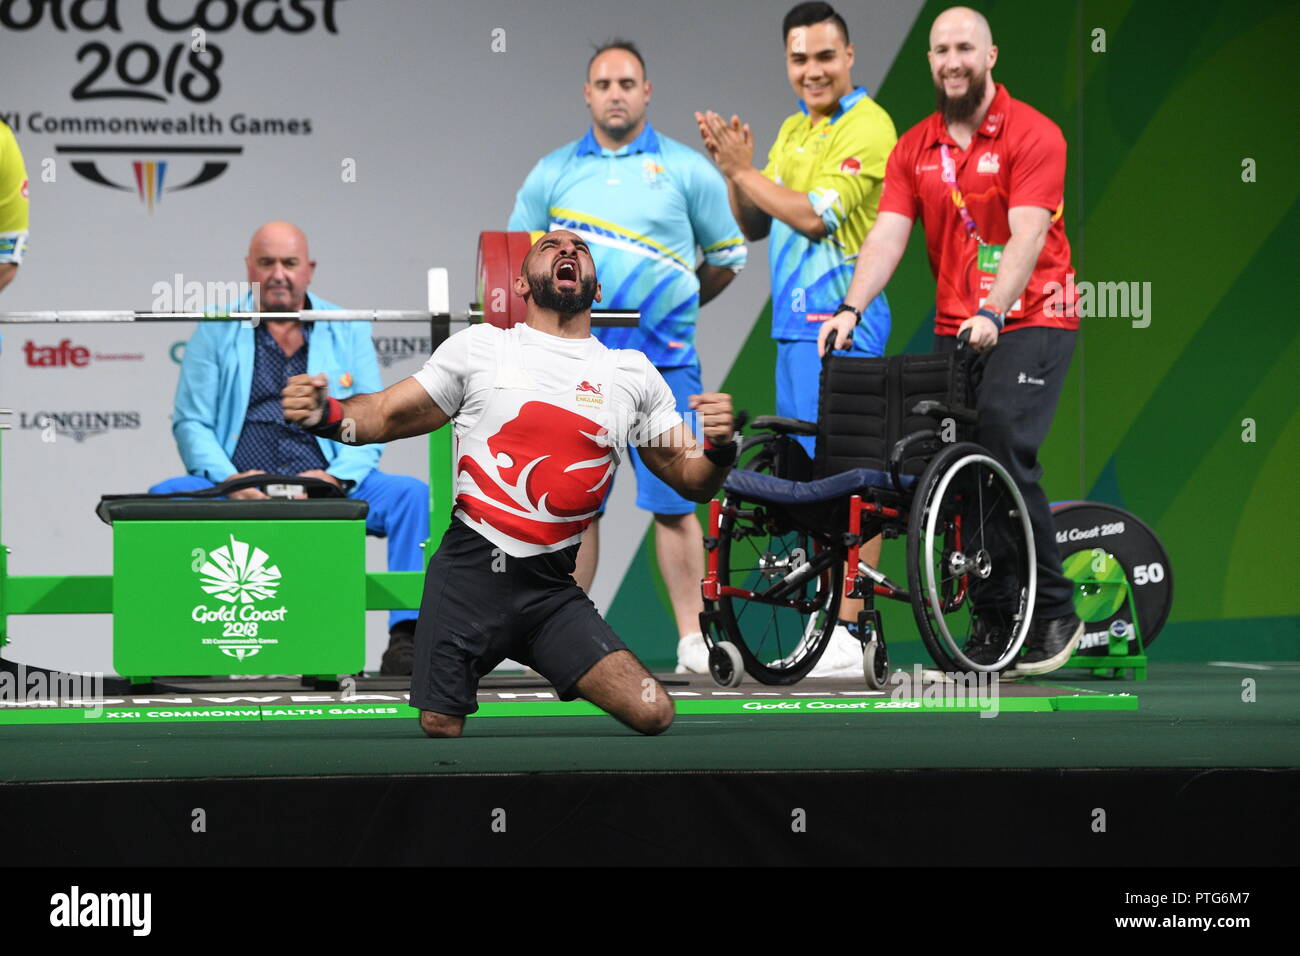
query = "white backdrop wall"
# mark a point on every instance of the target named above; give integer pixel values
(438, 110)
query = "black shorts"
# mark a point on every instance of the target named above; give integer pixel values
(481, 606)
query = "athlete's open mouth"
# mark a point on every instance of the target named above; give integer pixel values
(566, 271)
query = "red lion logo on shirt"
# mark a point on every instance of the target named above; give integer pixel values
(552, 468)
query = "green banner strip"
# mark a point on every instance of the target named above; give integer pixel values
(93, 593)
(343, 710)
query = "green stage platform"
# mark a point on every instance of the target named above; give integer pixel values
(1184, 716)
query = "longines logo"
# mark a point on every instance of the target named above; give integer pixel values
(77, 425)
(394, 348)
(124, 59)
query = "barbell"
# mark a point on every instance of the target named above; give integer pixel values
(500, 258)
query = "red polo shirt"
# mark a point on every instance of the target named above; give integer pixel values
(1016, 158)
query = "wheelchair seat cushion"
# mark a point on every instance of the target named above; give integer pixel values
(760, 487)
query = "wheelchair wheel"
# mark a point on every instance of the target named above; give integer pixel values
(971, 565)
(875, 665)
(785, 588)
(726, 665)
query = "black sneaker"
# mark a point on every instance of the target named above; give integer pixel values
(399, 659)
(988, 640)
(1050, 643)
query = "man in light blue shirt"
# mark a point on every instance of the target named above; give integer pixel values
(228, 420)
(647, 206)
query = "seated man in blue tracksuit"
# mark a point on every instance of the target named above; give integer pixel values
(228, 421)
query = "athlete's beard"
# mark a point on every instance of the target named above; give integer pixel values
(958, 109)
(547, 296)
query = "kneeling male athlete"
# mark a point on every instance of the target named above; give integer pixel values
(541, 411)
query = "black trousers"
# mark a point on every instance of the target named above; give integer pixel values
(1016, 400)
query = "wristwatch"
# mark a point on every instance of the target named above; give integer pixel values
(845, 307)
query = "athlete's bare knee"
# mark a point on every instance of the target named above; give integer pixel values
(655, 718)
(441, 725)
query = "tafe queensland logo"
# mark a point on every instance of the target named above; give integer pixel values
(68, 355)
(56, 356)
(239, 574)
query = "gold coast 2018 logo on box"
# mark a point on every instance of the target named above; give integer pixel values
(240, 575)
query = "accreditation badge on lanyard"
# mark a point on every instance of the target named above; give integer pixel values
(989, 256)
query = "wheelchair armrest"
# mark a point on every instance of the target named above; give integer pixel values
(939, 411)
(900, 447)
(784, 426)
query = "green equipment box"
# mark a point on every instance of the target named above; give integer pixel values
(238, 587)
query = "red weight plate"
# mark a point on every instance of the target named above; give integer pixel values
(518, 243)
(493, 288)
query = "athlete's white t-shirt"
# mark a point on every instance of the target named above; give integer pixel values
(539, 422)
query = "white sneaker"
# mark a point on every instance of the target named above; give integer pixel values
(507, 665)
(842, 657)
(692, 655)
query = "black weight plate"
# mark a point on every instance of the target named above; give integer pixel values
(1082, 526)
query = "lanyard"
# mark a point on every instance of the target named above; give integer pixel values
(948, 173)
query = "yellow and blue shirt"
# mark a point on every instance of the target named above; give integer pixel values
(644, 209)
(13, 199)
(839, 161)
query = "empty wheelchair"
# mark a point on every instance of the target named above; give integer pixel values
(893, 457)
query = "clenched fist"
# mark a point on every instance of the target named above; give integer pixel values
(303, 399)
(714, 409)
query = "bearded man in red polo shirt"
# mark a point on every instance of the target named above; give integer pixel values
(986, 176)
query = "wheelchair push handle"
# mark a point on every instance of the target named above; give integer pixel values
(738, 422)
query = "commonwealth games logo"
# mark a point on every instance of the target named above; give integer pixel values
(238, 573)
(149, 175)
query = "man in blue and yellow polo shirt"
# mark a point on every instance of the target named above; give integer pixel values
(817, 198)
(648, 207)
(13, 206)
